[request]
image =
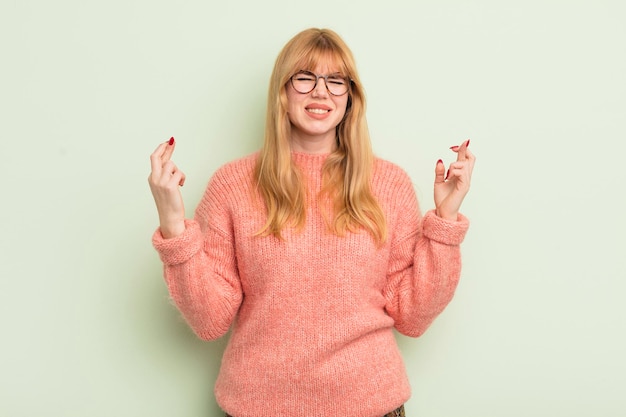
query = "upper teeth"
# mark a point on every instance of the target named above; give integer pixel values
(317, 111)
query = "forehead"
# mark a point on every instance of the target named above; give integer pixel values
(323, 62)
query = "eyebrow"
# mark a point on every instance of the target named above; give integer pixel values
(329, 74)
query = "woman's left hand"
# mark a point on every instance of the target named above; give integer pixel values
(451, 188)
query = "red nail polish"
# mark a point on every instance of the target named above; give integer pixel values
(439, 162)
(454, 148)
(467, 143)
(171, 142)
(447, 175)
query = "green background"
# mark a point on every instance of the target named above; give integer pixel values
(88, 90)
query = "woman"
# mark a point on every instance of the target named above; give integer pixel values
(312, 249)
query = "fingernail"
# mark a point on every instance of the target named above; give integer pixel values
(454, 148)
(447, 175)
(171, 142)
(439, 162)
(467, 143)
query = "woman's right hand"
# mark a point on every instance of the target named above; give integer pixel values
(165, 180)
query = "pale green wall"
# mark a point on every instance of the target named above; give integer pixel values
(88, 90)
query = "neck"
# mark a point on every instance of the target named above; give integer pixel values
(314, 145)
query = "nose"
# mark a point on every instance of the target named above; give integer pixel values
(320, 89)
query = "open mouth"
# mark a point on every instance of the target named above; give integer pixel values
(317, 111)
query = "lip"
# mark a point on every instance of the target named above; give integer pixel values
(318, 116)
(318, 106)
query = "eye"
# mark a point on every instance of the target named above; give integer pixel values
(304, 76)
(336, 79)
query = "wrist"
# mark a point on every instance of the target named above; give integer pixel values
(171, 229)
(447, 216)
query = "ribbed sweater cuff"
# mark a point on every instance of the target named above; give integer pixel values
(444, 231)
(181, 248)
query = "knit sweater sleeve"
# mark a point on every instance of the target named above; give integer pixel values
(425, 263)
(200, 265)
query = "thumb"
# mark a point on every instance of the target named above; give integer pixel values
(440, 170)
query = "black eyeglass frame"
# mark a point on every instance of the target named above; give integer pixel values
(317, 78)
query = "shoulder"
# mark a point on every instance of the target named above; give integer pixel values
(386, 174)
(235, 174)
(392, 186)
(395, 192)
(232, 180)
(229, 186)
(238, 167)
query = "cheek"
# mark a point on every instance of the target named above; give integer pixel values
(292, 104)
(292, 112)
(342, 108)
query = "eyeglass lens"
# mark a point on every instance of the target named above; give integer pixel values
(305, 81)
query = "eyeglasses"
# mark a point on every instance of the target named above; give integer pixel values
(305, 81)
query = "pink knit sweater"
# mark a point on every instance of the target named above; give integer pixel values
(313, 314)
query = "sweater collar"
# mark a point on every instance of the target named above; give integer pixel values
(309, 161)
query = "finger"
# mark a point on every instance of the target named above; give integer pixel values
(440, 170)
(169, 169)
(471, 158)
(169, 149)
(172, 175)
(460, 172)
(178, 178)
(461, 153)
(460, 166)
(155, 159)
(162, 153)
